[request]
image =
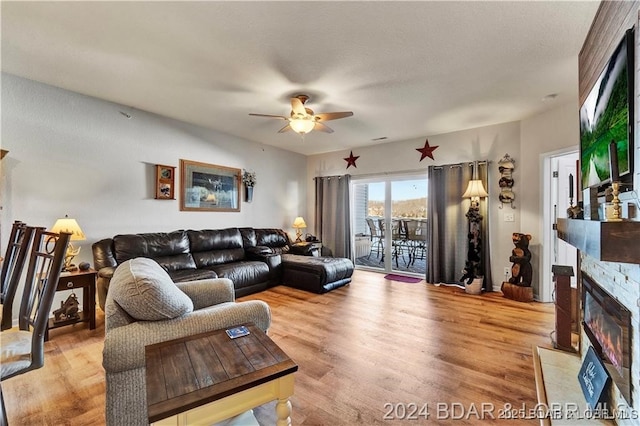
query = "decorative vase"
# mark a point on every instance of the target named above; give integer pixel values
(475, 287)
(248, 193)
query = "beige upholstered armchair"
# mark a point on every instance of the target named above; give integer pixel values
(143, 307)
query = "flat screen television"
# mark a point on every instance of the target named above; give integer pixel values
(606, 122)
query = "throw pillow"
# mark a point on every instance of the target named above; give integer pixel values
(146, 292)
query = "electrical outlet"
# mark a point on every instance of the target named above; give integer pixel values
(507, 271)
(509, 217)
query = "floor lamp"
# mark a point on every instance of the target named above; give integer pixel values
(475, 191)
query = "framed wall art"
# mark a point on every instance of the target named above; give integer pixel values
(209, 187)
(165, 182)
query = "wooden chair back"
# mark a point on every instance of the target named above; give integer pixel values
(22, 347)
(45, 265)
(12, 266)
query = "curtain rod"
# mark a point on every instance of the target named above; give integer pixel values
(470, 163)
(402, 172)
(330, 177)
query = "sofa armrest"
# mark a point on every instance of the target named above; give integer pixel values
(124, 346)
(305, 249)
(257, 251)
(209, 292)
(102, 283)
(103, 255)
(267, 255)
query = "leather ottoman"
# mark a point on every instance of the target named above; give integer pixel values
(316, 274)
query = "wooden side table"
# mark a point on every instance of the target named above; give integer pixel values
(86, 280)
(206, 378)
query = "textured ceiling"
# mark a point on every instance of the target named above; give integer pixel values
(406, 69)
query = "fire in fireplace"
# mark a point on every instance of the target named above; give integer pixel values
(607, 323)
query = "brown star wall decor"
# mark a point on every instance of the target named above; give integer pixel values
(351, 160)
(426, 150)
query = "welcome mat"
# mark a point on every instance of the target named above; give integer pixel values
(402, 278)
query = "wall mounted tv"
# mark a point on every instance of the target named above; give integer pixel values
(606, 122)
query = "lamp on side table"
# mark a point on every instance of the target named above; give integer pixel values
(71, 226)
(299, 224)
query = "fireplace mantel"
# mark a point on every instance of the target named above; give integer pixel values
(605, 241)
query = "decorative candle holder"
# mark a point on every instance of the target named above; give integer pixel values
(615, 203)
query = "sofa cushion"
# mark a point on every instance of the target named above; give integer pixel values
(216, 246)
(178, 262)
(191, 275)
(145, 291)
(243, 273)
(153, 245)
(271, 237)
(248, 237)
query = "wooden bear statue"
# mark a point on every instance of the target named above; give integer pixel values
(519, 285)
(521, 271)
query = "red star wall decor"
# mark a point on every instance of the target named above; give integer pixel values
(351, 160)
(426, 150)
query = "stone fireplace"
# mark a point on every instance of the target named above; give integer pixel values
(607, 324)
(622, 282)
(610, 259)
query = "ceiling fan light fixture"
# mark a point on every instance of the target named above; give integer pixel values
(302, 125)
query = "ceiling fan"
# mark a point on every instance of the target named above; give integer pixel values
(303, 120)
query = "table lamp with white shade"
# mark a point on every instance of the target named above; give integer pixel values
(71, 226)
(299, 224)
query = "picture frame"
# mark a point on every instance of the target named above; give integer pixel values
(209, 187)
(165, 182)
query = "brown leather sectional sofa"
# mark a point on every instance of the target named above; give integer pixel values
(254, 259)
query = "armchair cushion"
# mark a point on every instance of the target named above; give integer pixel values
(145, 291)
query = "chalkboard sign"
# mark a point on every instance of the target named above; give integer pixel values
(594, 379)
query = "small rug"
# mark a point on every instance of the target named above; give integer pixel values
(402, 278)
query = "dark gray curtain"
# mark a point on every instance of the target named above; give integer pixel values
(332, 214)
(448, 227)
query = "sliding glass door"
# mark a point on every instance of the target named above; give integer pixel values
(389, 217)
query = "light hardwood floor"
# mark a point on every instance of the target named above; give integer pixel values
(360, 347)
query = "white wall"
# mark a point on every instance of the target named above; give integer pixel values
(77, 155)
(485, 143)
(542, 134)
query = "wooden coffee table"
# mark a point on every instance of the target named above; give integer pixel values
(208, 377)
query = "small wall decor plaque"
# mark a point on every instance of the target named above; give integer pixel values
(165, 182)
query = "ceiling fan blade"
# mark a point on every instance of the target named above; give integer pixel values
(297, 107)
(285, 129)
(322, 127)
(326, 116)
(269, 116)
